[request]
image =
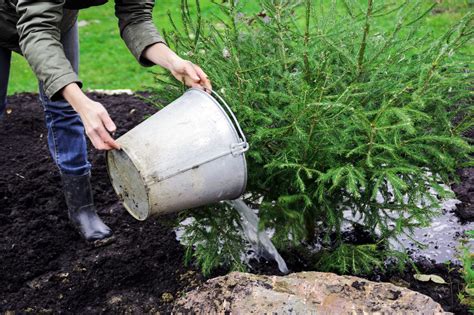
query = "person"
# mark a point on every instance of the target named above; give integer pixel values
(46, 33)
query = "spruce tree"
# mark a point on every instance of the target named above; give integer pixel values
(341, 115)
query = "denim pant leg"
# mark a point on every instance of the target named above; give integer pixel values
(66, 137)
(5, 58)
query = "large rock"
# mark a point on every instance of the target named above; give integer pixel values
(303, 293)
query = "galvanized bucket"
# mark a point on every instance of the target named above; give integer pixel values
(189, 154)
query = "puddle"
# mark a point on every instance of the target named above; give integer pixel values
(441, 238)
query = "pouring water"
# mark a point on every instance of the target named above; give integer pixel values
(258, 239)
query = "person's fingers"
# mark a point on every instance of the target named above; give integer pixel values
(105, 136)
(193, 76)
(113, 144)
(205, 82)
(197, 86)
(207, 86)
(191, 72)
(97, 141)
(108, 122)
(101, 139)
(108, 141)
(200, 73)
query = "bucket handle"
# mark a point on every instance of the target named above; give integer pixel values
(243, 146)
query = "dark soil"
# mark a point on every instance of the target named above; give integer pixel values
(465, 192)
(46, 267)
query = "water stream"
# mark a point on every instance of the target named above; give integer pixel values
(259, 240)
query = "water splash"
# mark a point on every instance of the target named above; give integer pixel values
(258, 239)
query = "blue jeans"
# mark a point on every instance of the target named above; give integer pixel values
(66, 139)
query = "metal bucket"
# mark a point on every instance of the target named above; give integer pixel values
(189, 154)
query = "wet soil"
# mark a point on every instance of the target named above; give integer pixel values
(46, 267)
(465, 193)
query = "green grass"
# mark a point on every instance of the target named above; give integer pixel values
(107, 64)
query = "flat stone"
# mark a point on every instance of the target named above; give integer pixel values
(303, 293)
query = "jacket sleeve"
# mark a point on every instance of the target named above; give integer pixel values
(38, 29)
(136, 26)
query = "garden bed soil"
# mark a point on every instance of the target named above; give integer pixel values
(45, 265)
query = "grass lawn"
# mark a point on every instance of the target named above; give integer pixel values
(107, 64)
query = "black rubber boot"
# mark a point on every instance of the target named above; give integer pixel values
(82, 212)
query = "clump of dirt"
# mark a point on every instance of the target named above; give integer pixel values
(45, 265)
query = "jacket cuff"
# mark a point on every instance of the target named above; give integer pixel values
(138, 37)
(52, 89)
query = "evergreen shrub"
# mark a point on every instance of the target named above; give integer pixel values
(348, 107)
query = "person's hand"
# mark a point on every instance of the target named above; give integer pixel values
(190, 74)
(98, 124)
(183, 70)
(94, 116)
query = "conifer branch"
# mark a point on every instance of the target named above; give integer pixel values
(307, 66)
(363, 45)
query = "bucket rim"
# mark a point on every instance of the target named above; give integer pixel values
(143, 182)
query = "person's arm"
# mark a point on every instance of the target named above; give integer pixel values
(148, 47)
(39, 34)
(38, 29)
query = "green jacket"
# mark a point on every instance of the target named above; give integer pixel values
(34, 27)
